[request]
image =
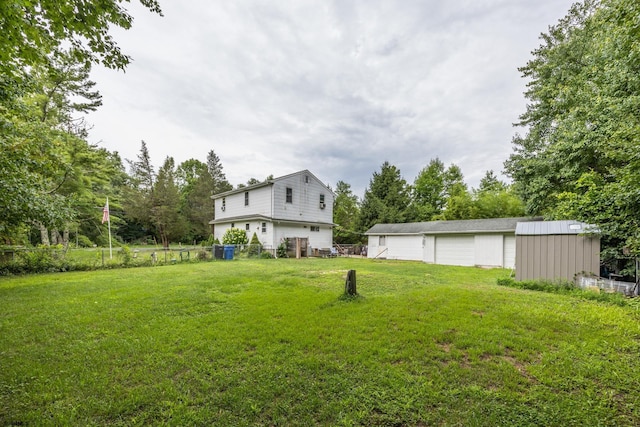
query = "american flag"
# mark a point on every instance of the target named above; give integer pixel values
(105, 213)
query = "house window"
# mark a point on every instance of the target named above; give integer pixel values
(315, 228)
(322, 205)
(289, 195)
(246, 227)
(224, 203)
(233, 225)
(264, 227)
(246, 198)
(382, 241)
(306, 179)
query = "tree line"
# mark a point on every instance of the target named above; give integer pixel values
(576, 156)
(437, 193)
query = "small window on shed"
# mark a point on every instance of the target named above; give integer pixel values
(289, 196)
(382, 241)
(246, 198)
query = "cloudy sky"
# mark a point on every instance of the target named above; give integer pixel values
(336, 87)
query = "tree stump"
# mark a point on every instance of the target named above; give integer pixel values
(350, 283)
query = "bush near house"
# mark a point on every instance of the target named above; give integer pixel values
(234, 236)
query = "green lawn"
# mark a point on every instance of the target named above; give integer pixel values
(272, 342)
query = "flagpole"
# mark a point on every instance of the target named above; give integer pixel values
(109, 227)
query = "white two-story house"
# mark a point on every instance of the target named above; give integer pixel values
(291, 206)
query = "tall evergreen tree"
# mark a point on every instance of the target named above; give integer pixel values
(165, 212)
(386, 200)
(220, 183)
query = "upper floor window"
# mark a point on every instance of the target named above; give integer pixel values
(289, 198)
(315, 228)
(246, 227)
(246, 198)
(224, 203)
(322, 205)
(264, 227)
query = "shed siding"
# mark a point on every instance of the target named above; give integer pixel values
(556, 256)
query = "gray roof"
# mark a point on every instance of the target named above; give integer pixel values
(539, 228)
(492, 225)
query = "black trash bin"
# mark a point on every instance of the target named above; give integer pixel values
(218, 251)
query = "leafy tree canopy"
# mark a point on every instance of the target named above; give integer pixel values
(578, 156)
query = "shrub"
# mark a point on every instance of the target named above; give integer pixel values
(126, 254)
(234, 236)
(255, 247)
(281, 252)
(266, 255)
(209, 242)
(84, 241)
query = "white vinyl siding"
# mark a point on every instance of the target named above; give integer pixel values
(509, 251)
(455, 250)
(489, 250)
(429, 249)
(404, 247)
(305, 204)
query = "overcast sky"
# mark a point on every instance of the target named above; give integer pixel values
(338, 87)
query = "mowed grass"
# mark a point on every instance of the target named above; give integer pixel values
(272, 342)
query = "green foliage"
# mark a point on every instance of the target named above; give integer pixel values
(346, 210)
(126, 255)
(281, 251)
(84, 241)
(386, 200)
(255, 247)
(578, 158)
(35, 31)
(564, 287)
(266, 255)
(210, 241)
(234, 236)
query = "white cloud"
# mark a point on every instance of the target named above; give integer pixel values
(337, 88)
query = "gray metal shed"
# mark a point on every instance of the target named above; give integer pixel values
(556, 250)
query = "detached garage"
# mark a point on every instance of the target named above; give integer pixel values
(481, 242)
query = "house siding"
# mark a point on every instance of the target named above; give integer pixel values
(305, 205)
(317, 239)
(267, 203)
(259, 204)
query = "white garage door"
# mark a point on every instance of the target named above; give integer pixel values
(455, 250)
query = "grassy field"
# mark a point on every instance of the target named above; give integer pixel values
(273, 342)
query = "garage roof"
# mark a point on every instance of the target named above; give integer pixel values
(492, 225)
(541, 228)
